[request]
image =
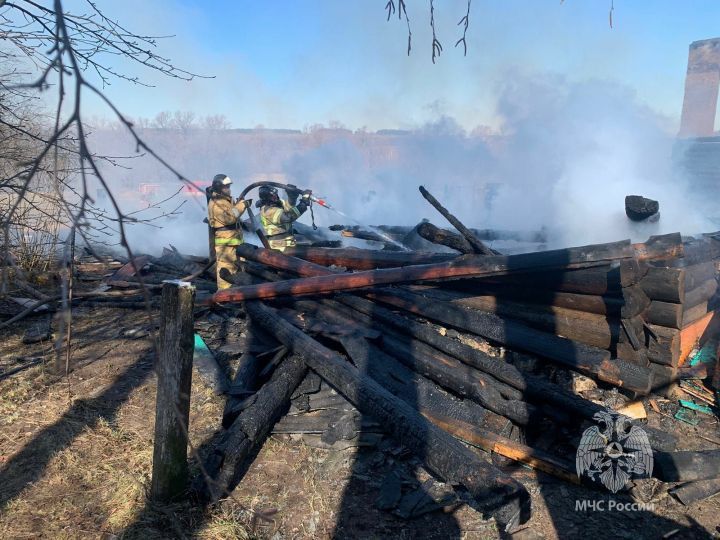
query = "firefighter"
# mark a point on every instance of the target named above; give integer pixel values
(277, 215)
(224, 217)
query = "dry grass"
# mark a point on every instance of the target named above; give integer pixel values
(93, 456)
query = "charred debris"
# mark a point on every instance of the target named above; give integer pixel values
(444, 349)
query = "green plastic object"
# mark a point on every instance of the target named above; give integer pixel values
(695, 407)
(687, 416)
(706, 355)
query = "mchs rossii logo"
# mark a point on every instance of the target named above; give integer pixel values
(614, 451)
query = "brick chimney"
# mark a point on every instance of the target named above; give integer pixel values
(701, 89)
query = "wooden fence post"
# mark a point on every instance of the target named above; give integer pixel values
(174, 373)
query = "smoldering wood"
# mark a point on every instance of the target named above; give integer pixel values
(462, 267)
(639, 208)
(494, 492)
(243, 385)
(534, 388)
(663, 345)
(671, 284)
(588, 360)
(589, 328)
(447, 372)
(687, 466)
(172, 410)
(627, 302)
(433, 234)
(693, 492)
(224, 464)
(477, 245)
(457, 417)
(364, 259)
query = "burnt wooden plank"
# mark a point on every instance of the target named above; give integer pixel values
(494, 492)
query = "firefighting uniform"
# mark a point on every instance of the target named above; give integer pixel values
(224, 218)
(278, 223)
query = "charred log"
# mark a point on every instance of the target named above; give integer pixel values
(588, 360)
(494, 492)
(433, 234)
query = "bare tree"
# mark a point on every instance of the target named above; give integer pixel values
(66, 53)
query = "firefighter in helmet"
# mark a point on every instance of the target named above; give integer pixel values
(224, 218)
(277, 215)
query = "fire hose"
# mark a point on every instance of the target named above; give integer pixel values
(289, 188)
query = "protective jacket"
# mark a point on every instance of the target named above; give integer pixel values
(224, 218)
(277, 222)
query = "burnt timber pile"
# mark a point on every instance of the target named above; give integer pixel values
(364, 342)
(447, 354)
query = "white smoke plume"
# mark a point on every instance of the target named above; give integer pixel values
(564, 157)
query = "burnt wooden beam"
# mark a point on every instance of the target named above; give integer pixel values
(589, 328)
(477, 245)
(663, 345)
(534, 388)
(671, 284)
(676, 315)
(252, 425)
(491, 442)
(447, 372)
(460, 418)
(494, 492)
(276, 259)
(686, 466)
(433, 234)
(364, 259)
(696, 491)
(461, 267)
(608, 279)
(243, 386)
(588, 360)
(660, 247)
(418, 391)
(626, 302)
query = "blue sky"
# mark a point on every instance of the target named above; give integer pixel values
(295, 63)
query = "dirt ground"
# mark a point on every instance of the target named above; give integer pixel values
(76, 453)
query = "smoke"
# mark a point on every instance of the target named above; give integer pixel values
(564, 157)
